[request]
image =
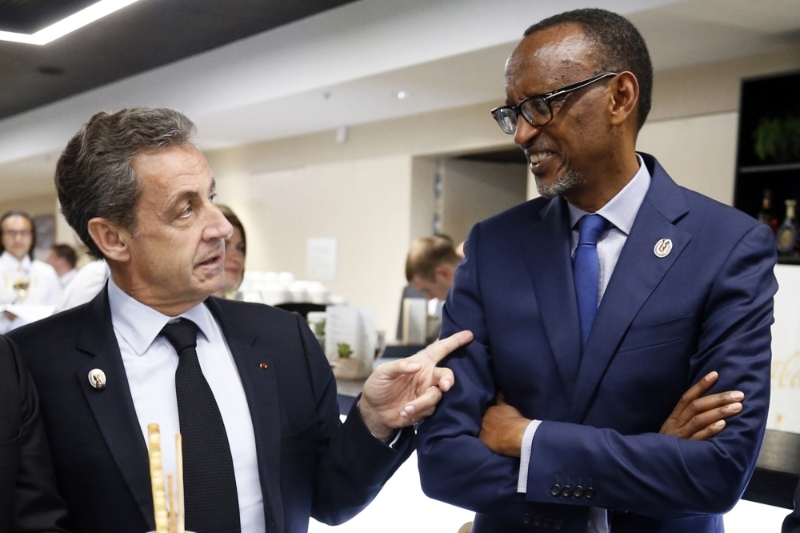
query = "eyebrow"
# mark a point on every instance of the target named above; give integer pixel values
(190, 195)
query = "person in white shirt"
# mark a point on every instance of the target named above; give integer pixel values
(30, 288)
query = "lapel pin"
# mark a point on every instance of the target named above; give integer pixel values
(97, 379)
(662, 248)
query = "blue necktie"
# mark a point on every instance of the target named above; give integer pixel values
(586, 271)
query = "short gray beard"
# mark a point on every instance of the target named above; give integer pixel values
(569, 182)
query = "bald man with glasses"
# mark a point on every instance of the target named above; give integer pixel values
(593, 309)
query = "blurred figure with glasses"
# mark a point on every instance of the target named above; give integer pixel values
(594, 308)
(29, 288)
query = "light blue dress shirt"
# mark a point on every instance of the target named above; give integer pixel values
(150, 363)
(620, 211)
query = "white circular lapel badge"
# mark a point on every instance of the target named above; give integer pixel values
(662, 248)
(97, 379)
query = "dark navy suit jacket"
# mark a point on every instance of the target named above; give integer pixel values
(792, 522)
(29, 501)
(663, 324)
(309, 463)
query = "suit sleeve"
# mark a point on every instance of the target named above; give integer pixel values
(455, 466)
(38, 508)
(792, 522)
(663, 476)
(352, 465)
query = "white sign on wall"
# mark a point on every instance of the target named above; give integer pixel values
(321, 259)
(784, 414)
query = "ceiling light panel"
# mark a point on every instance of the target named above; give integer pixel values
(68, 24)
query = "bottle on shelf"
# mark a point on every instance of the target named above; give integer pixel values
(767, 215)
(787, 232)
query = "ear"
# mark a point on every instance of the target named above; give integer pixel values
(445, 271)
(110, 238)
(625, 96)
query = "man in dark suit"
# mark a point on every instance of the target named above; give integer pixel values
(593, 308)
(792, 522)
(246, 385)
(29, 500)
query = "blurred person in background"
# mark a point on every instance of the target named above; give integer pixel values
(235, 253)
(63, 259)
(431, 265)
(24, 281)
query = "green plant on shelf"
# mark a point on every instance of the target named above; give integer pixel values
(777, 140)
(344, 350)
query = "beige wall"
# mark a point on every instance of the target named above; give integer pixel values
(697, 152)
(473, 191)
(33, 205)
(364, 204)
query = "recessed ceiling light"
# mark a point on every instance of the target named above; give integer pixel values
(401, 95)
(71, 23)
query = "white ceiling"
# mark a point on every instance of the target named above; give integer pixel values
(345, 67)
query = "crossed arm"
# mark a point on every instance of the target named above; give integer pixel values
(695, 417)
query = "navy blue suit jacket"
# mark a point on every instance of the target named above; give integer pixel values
(29, 501)
(309, 463)
(663, 324)
(792, 522)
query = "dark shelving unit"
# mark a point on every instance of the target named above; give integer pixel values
(769, 97)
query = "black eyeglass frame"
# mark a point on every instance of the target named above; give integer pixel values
(546, 98)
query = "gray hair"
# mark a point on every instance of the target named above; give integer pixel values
(95, 175)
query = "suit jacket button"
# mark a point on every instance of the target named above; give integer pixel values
(578, 491)
(566, 491)
(526, 519)
(555, 490)
(590, 493)
(558, 524)
(537, 520)
(548, 523)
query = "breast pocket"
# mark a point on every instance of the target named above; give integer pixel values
(670, 331)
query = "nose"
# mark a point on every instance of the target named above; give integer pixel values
(218, 226)
(525, 132)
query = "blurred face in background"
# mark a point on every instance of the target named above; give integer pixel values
(235, 253)
(17, 236)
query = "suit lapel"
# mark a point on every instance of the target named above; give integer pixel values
(113, 406)
(547, 254)
(636, 275)
(250, 351)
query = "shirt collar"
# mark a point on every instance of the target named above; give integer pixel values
(621, 210)
(140, 325)
(9, 260)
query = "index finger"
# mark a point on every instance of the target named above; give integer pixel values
(444, 347)
(698, 389)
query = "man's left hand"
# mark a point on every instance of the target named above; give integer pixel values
(401, 393)
(502, 428)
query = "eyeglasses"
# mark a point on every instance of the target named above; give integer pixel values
(536, 109)
(17, 233)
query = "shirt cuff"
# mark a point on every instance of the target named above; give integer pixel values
(525, 455)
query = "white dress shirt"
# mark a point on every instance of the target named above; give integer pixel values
(621, 212)
(86, 284)
(150, 363)
(44, 290)
(67, 277)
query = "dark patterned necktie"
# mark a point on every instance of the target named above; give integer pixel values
(210, 498)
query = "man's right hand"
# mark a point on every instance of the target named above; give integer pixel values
(699, 417)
